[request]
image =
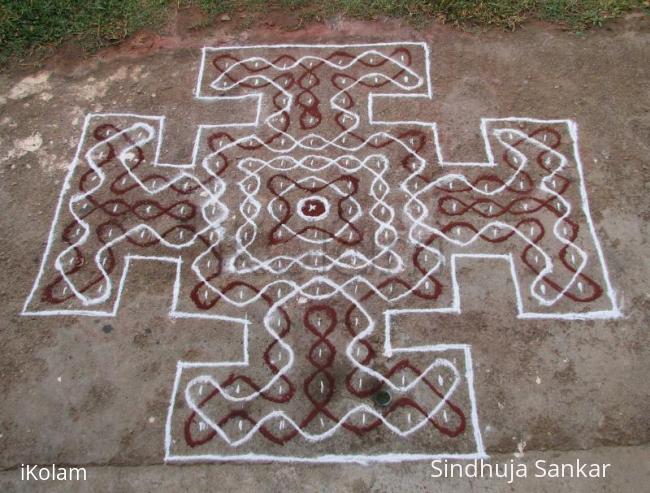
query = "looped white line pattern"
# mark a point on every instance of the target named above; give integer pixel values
(319, 208)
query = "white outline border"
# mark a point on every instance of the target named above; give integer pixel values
(362, 459)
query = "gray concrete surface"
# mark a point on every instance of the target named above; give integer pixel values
(93, 391)
(629, 472)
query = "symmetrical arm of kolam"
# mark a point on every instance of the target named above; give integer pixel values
(311, 227)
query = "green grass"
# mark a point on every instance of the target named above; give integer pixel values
(26, 25)
(576, 14)
(585, 14)
(29, 26)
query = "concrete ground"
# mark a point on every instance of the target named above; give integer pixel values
(94, 391)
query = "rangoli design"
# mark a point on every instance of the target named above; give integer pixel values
(311, 231)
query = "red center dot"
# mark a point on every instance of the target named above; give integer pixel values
(313, 208)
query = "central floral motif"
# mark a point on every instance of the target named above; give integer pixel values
(313, 208)
(301, 213)
(307, 213)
